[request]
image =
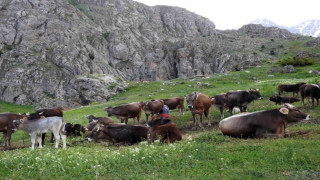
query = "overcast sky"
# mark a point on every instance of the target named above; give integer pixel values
(232, 14)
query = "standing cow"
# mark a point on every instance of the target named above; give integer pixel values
(270, 123)
(241, 99)
(152, 107)
(294, 88)
(219, 101)
(124, 112)
(199, 103)
(176, 102)
(7, 127)
(35, 128)
(310, 90)
(46, 113)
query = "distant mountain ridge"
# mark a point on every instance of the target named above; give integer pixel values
(306, 28)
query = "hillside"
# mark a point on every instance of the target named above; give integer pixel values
(69, 53)
(200, 155)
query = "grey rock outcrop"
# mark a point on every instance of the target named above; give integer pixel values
(288, 69)
(73, 52)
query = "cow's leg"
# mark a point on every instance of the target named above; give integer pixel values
(43, 138)
(134, 120)
(221, 112)
(308, 99)
(57, 137)
(126, 120)
(147, 115)
(5, 139)
(33, 140)
(230, 110)
(201, 124)
(194, 122)
(39, 140)
(9, 138)
(63, 137)
(207, 114)
(244, 108)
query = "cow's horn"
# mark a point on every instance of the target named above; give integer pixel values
(284, 110)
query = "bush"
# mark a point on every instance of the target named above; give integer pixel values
(91, 56)
(105, 35)
(296, 61)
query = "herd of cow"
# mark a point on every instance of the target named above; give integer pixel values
(268, 123)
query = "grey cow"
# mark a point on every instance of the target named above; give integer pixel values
(35, 128)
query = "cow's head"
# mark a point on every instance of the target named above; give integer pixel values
(255, 94)
(301, 83)
(109, 111)
(90, 118)
(274, 98)
(18, 123)
(95, 132)
(91, 125)
(190, 98)
(293, 114)
(144, 105)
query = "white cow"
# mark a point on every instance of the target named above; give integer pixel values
(35, 128)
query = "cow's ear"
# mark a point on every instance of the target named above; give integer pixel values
(284, 110)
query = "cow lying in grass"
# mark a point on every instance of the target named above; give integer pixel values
(270, 123)
(164, 130)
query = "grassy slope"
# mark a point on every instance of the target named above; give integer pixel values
(201, 155)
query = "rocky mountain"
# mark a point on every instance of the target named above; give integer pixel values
(306, 28)
(73, 52)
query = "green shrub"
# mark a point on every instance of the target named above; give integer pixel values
(296, 61)
(105, 35)
(91, 56)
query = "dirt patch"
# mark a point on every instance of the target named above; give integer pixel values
(188, 127)
(312, 121)
(297, 133)
(11, 148)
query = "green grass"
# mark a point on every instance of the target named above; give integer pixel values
(200, 155)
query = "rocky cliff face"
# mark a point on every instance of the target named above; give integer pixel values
(73, 52)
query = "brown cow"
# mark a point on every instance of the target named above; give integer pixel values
(310, 90)
(270, 123)
(152, 107)
(164, 129)
(176, 102)
(103, 120)
(294, 88)
(124, 112)
(7, 126)
(199, 103)
(117, 133)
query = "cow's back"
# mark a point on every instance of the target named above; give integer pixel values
(202, 101)
(235, 98)
(50, 112)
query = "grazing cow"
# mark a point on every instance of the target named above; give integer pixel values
(176, 102)
(7, 127)
(46, 113)
(219, 101)
(73, 129)
(199, 103)
(270, 123)
(36, 127)
(310, 90)
(164, 129)
(103, 120)
(119, 133)
(152, 107)
(241, 99)
(294, 88)
(124, 112)
(281, 100)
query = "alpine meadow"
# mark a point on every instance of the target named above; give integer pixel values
(84, 56)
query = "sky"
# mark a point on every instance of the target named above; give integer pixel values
(232, 14)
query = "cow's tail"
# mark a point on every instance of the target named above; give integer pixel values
(62, 128)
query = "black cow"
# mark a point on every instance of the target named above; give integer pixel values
(281, 100)
(310, 90)
(294, 88)
(241, 99)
